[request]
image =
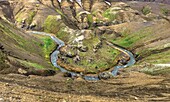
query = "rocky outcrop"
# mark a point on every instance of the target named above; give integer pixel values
(80, 12)
(99, 5)
(68, 51)
(32, 14)
(105, 75)
(69, 13)
(77, 7)
(40, 72)
(50, 3)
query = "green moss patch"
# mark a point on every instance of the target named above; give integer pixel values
(30, 17)
(48, 45)
(146, 10)
(52, 24)
(128, 40)
(90, 19)
(110, 15)
(31, 64)
(165, 11)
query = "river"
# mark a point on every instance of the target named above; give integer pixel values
(103, 75)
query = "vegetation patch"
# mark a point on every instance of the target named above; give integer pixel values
(30, 17)
(31, 64)
(63, 35)
(130, 39)
(58, 11)
(18, 18)
(25, 47)
(48, 46)
(90, 19)
(18, 41)
(165, 11)
(52, 24)
(146, 10)
(163, 57)
(111, 15)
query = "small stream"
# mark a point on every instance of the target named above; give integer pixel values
(130, 62)
(54, 58)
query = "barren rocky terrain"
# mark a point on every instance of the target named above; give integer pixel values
(141, 27)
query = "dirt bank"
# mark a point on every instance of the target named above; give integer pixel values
(132, 86)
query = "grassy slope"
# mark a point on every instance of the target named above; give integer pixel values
(151, 43)
(27, 50)
(147, 41)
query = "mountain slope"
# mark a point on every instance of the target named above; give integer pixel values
(20, 50)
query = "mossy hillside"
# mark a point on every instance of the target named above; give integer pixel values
(160, 52)
(22, 45)
(159, 57)
(17, 40)
(52, 24)
(111, 15)
(25, 64)
(129, 40)
(47, 46)
(63, 35)
(145, 36)
(29, 18)
(31, 65)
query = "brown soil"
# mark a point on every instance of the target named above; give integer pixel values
(155, 7)
(69, 67)
(133, 86)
